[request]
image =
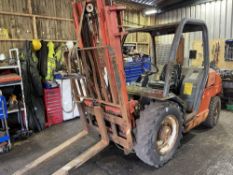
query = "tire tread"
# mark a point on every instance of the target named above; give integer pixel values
(145, 128)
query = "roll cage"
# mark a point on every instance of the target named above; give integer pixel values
(178, 28)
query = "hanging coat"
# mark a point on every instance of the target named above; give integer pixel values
(42, 56)
(51, 64)
(32, 88)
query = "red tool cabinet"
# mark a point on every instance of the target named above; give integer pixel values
(53, 106)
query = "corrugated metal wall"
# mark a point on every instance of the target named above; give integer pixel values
(217, 14)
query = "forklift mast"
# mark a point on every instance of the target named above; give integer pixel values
(99, 30)
(99, 88)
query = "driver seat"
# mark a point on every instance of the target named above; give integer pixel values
(174, 81)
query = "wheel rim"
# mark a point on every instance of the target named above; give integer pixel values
(167, 134)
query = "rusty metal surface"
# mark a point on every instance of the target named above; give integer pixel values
(198, 119)
(116, 129)
(148, 92)
(101, 64)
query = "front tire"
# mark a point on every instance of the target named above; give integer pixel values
(158, 133)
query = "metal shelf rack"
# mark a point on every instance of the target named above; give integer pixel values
(14, 53)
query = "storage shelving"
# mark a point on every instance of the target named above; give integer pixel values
(14, 54)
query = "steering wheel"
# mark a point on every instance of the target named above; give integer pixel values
(144, 78)
(149, 73)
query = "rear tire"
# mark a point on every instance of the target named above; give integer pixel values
(214, 112)
(158, 133)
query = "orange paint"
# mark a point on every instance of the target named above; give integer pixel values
(213, 88)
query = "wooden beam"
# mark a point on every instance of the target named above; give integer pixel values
(12, 40)
(29, 4)
(51, 153)
(35, 34)
(37, 16)
(81, 159)
(54, 18)
(22, 40)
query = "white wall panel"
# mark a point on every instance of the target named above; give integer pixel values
(223, 19)
(210, 18)
(217, 14)
(229, 19)
(174, 14)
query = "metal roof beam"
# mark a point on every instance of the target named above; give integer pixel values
(145, 3)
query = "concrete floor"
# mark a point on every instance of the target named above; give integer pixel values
(203, 152)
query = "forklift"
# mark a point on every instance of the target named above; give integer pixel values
(182, 98)
(149, 117)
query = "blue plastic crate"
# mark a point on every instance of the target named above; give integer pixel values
(4, 138)
(134, 69)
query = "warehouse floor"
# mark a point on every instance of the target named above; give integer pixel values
(202, 152)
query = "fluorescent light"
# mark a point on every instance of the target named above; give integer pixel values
(151, 11)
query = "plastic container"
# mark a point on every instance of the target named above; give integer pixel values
(134, 69)
(4, 132)
(229, 107)
(69, 107)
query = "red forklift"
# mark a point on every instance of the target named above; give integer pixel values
(148, 117)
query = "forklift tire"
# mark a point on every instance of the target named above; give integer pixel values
(214, 113)
(158, 133)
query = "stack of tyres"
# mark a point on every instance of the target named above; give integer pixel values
(5, 143)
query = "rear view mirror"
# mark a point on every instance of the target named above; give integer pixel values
(192, 54)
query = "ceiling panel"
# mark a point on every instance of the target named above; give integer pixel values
(145, 2)
(158, 3)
